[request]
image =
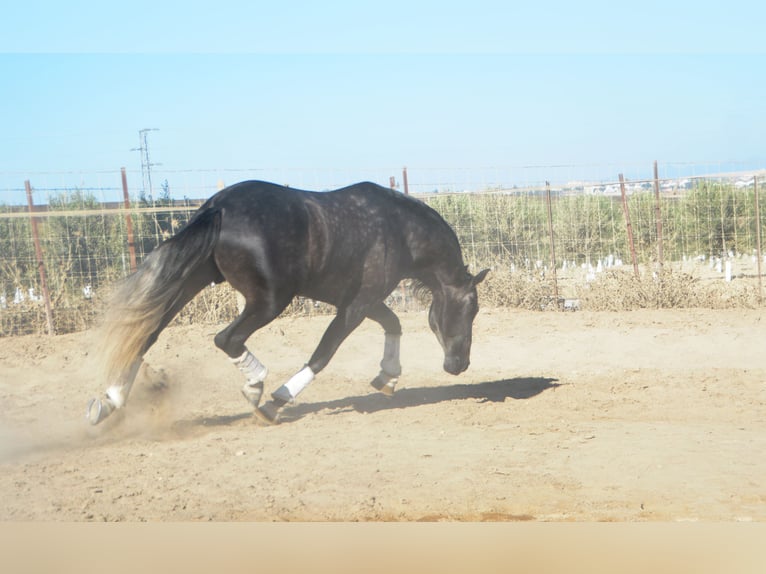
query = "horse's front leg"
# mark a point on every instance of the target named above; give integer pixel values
(390, 366)
(255, 314)
(341, 327)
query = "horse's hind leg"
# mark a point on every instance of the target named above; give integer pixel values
(116, 396)
(390, 366)
(117, 393)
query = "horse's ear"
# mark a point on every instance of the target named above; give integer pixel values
(479, 277)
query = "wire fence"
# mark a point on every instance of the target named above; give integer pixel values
(67, 237)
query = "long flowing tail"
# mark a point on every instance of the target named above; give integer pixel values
(149, 298)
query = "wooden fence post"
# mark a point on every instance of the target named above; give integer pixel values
(40, 262)
(628, 226)
(129, 222)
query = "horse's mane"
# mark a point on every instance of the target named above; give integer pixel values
(421, 291)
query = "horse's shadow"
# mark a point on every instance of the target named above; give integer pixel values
(488, 392)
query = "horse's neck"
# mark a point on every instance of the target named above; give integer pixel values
(436, 256)
(446, 268)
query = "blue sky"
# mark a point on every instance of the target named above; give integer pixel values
(350, 86)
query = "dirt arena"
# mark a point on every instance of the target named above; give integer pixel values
(576, 416)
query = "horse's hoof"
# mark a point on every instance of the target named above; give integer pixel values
(253, 393)
(269, 413)
(98, 410)
(385, 384)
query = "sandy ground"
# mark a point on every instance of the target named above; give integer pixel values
(642, 416)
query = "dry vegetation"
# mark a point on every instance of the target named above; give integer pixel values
(508, 232)
(618, 290)
(612, 290)
(667, 289)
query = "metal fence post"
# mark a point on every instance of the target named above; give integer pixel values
(40, 262)
(553, 242)
(658, 213)
(758, 237)
(404, 179)
(628, 226)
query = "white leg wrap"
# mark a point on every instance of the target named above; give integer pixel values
(390, 363)
(292, 388)
(254, 371)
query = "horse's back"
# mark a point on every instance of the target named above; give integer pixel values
(336, 230)
(252, 197)
(318, 244)
(362, 205)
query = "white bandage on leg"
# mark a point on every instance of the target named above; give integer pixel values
(292, 388)
(390, 363)
(254, 371)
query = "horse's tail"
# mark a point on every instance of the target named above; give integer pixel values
(149, 298)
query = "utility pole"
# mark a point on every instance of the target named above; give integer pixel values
(146, 164)
(146, 177)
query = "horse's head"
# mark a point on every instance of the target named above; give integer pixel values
(450, 317)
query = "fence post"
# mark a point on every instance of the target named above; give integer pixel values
(404, 179)
(40, 262)
(553, 242)
(129, 222)
(628, 226)
(658, 213)
(758, 238)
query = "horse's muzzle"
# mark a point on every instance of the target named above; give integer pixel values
(455, 365)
